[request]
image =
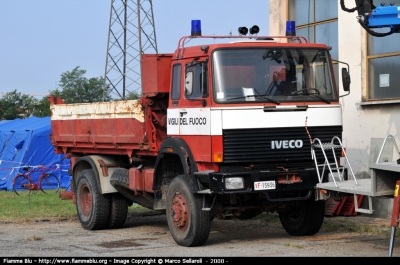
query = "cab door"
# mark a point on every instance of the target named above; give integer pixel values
(194, 111)
(189, 107)
(173, 120)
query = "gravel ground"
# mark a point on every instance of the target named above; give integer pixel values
(148, 236)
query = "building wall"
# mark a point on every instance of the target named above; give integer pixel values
(277, 17)
(361, 120)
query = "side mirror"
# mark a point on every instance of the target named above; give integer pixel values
(346, 80)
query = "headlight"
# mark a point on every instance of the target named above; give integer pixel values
(234, 183)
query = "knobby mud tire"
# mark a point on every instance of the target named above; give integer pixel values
(93, 208)
(303, 218)
(118, 211)
(188, 223)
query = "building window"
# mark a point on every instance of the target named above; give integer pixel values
(383, 64)
(317, 20)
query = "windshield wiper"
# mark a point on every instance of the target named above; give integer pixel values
(317, 96)
(304, 92)
(321, 98)
(257, 96)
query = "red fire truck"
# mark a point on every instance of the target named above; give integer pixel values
(222, 130)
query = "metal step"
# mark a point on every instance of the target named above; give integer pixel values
(207, 191)
(331, 166)
(384, 174)
(366, 187)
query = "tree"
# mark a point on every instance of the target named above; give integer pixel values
(133, 95)
(76, 88)
(16, 105)
(42, 108)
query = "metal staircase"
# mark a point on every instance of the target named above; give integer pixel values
(383, 173)
(331, 165)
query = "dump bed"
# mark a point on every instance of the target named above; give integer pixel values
(115, 127)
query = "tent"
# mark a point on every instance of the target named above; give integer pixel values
(26, 142)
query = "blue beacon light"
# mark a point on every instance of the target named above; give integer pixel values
(196, 28)
(290, 28)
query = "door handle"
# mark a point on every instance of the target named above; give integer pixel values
(183, 112)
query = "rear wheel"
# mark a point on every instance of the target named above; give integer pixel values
(93, 208)
(188, 223)
(303, 218)
(49, 182)
(22, 183)
(118, 211)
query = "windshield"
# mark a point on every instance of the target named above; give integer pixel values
(272, 75)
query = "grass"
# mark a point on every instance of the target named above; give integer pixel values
(270, 218)
(137, 210)
(343, 225)
(294, 246)
(41, 206)
(34, 206)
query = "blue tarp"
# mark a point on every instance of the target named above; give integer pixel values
(27, 143)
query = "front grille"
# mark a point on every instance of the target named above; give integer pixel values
(254, 145)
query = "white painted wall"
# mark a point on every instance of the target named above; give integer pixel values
(360, 122)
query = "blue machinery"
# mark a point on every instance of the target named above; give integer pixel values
(382, 16)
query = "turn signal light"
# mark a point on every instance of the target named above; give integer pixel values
(218, 157)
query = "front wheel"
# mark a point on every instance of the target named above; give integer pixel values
(21, 182)
(49, 182)
(93, 207)
(188, 223)
(303, 218)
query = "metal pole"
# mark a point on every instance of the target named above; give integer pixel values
(140, 41)
(154, 27)
(108, 47)
(395, 217)
(125, 26)
(391, 243)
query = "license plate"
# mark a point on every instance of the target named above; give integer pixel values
(264, 185)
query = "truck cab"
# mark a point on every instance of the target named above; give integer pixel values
(244, 114)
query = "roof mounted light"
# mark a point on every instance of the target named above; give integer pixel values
(290, 28)
(243, 30)
(196, 28)
(254, 29)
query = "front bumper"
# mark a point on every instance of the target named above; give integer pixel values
(306, 180)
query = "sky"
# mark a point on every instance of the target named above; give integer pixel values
(42, 39)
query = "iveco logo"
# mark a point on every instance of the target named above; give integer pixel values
(285, 144)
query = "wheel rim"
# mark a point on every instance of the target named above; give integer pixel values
(180, 213)
(85, 200)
